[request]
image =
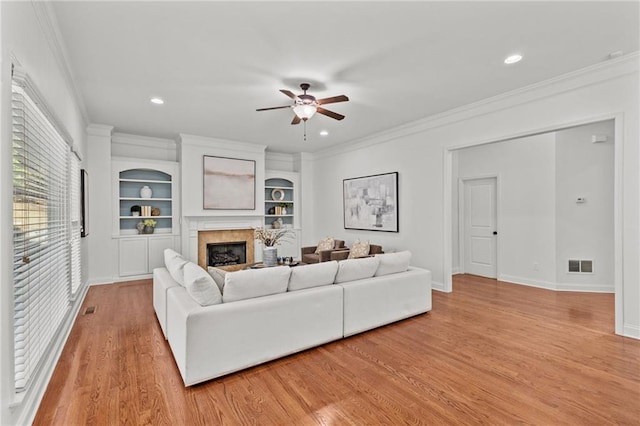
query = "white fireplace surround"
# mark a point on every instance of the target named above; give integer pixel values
(192, 224)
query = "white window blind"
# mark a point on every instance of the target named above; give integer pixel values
(41, 227)
(75, 213)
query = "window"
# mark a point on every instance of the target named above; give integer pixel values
(46, 234)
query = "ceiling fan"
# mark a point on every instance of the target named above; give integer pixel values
(305, 106)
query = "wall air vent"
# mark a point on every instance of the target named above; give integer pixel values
(580, 266)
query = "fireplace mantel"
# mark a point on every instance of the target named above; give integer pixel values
(194, 225)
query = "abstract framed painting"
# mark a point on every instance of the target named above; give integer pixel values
(228, 183)
(371, 202)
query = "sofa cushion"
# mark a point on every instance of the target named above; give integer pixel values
(325, 244)
(200, 285)
(315, 275)
(218, 276)
(392, 263)
(356, 269)
(359, 249)
(255, 283)
(175, 264)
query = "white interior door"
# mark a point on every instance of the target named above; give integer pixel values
(480, 228)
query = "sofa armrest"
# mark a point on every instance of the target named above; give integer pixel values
(308, 250)
(325, 255)
(339, 254)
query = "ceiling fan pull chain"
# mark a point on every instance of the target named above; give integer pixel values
(305, 130)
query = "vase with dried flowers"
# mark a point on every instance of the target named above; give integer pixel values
(270, 238)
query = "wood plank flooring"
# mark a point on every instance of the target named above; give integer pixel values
(488, 353)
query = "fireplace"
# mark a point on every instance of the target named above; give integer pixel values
(225, 254)
(230, 249)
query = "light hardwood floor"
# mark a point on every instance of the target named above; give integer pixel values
(488, 353)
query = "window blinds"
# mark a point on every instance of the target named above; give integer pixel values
(41, 234)
(75, 214)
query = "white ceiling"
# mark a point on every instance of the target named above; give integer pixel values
(214, 63)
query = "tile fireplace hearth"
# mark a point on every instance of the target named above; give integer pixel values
(222, 238)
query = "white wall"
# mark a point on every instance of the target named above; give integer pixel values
(526, 204)
(101, 261)
(420, 153)
(28, 36)
(585, 230)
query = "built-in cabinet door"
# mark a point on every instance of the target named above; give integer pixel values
(157, 245)
(134, 256)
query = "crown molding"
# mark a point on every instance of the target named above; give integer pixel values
(143, 141)
(99, 130)
(206, 142)
(591, 75)
(48, 23)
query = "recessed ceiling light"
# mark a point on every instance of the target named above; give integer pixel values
(513, 59)
(323, 133)
(157, 101)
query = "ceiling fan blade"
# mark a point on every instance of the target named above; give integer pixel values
(332, 100)
(296, 120)
(280, 107)
(289, 93)
(328, 113)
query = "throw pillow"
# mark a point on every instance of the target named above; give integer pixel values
(255, 283)
(218, 276)
(359, 249)
(392, 263)
(327, 243)
(201, 286)
(175, 264)
(356, 269)
(312, 275)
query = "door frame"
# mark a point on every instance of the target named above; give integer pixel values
(461, 226)
(618, 238)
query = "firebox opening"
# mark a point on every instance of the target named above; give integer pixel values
(229, 253)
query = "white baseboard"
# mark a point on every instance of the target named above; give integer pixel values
(582, 288)
(585, 288)
(631, 330)
(437, 286)
(527, 281)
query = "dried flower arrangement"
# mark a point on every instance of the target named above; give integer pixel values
(272, 237)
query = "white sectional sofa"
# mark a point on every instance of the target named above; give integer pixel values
(254, 316)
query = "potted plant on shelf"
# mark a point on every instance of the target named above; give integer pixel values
(149, 226)
(270, 238)
(135, 210)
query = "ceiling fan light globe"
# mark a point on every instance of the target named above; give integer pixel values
(304, 111)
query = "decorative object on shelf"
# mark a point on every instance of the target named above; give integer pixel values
(371, 202)
(146, 192)
(140, 227)
(229, 183)
(155, 211)
(149, 226)
(135, 210)
(277, 194)
(277, 224)
(272, 210)
(145, 211)
(271, 238)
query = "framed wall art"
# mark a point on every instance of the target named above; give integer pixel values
(371, 202)
(229, 183)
